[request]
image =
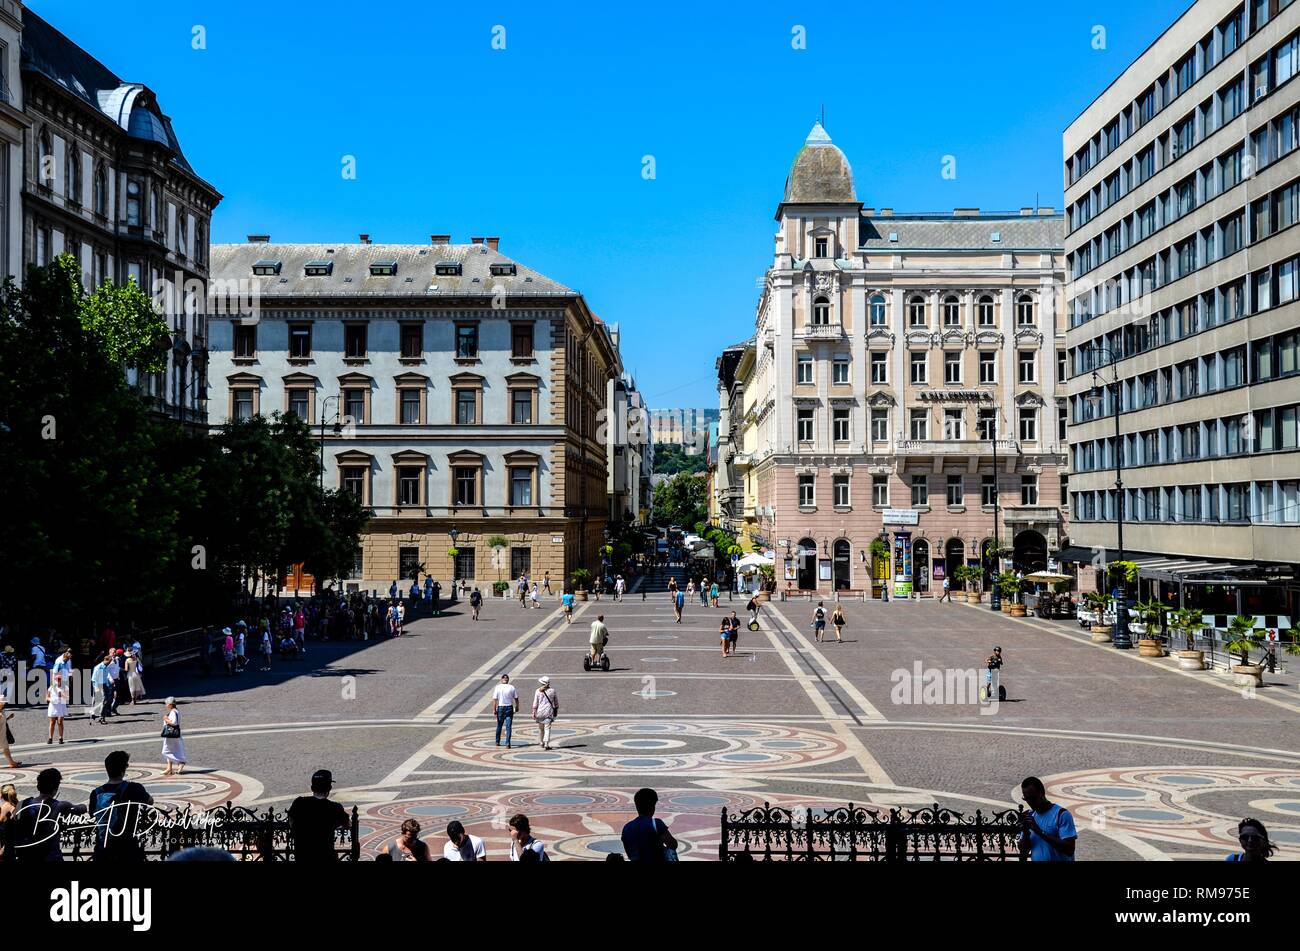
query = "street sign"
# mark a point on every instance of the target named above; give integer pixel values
(735, 559)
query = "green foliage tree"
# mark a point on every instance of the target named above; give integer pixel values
(671, 459)
(680, 500)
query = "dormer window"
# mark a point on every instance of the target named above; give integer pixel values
(383, 269)
(821, 247)
(503, 269)
(318, 268)
(448, 268)
(266, 268)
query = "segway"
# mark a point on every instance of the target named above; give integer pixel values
(602, 664)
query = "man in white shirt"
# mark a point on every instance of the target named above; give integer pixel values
(505, 704)
(462, 846)
(620, 586)
(599, 635)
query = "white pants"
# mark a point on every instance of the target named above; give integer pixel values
(545, 727)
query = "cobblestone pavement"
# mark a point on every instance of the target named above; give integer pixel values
(1154, 763)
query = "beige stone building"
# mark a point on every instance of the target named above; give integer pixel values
(452, 388)
(895, 356)
(1182, 193)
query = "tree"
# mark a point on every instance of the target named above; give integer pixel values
(680, 500)
(670, 459)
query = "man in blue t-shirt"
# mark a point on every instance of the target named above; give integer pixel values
(679, 603)
(645, 838)
(1050, 827)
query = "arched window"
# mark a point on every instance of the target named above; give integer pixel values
(984, 310)
(916, 311)
(45, 159)
(878, 318)
(821, 311)
(101, 191)
(74, 174)
(951, 311)
(1025, 311)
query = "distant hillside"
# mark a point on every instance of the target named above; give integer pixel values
(671, 459)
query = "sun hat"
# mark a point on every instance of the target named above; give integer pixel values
(544, 681)
(35, 641)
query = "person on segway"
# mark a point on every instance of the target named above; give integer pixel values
(992, 666)
(599, 638)
(752, 608)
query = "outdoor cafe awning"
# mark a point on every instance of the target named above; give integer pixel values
(1180, 570)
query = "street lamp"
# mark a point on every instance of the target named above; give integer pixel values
(338, 428)
(995, 599)
(1096, 400)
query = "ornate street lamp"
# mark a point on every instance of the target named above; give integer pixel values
(337, 428)
(1096, 399)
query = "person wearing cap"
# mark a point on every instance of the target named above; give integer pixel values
(546, 707)
(314, 819)
(994, 663)
(118, 807)
(461, 846)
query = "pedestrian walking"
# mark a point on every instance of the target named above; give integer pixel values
(134, 680)
(1048, 826)
(173, 747)
(679, 603)
(620, 586)
(1255, 844)
(392, 591)
(314, 819)
(535, 596)
(407, 847)
(733, 635)
(947, 590)
(523, 847)
(228, 650)
(645, 838)
(437, 596)
(713, 594)
(241, 648)
(461, 846)
(546, 707)
(505, 704)
(837, 619)
(546, 582)
(521, 588)
(566, 603)
(7, 736)
(401, 617)
(819, 620)
(724, 634)
(267, 649)
(475, 604)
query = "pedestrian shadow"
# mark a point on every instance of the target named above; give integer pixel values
(344, 672)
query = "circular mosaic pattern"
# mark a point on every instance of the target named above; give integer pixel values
(206, 789)
(1187, 806)
(652, 747)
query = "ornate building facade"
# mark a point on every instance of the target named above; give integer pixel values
(105, 180)
(451, 387)
(906, 385)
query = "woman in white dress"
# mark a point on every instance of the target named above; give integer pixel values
(57, 698)
(173, 746)
(133, 678)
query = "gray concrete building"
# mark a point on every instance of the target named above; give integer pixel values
(1182, 189)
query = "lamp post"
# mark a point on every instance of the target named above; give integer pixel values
(337, 429)
(1120, 638)
(453, 533)
(995, 599)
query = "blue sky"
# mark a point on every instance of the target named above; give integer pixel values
(542, 142)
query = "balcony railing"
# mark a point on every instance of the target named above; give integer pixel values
(823, 331)
(959, 447)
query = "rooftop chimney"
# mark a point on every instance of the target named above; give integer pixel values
(365, 238)
(475, 240)
(493, 242)
(868, 212)
(440, 239)
(886, 212)
(258, 238)
(965, 212)
(1026, 211)
(1046, 210)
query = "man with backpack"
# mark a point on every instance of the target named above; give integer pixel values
(119, 807)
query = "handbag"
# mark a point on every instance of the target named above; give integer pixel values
(171, 731)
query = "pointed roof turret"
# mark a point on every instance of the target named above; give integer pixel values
(820, 173)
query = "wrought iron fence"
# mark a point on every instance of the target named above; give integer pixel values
(859, 834)
(247, 835)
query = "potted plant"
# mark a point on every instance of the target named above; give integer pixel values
(1010, 587)
(769, 582)
(969, 576)
(496, 543)
(499, 588)
(1146, 616)
(1098, 602)
(580, 577)
(1239, 639)
(1187, 622)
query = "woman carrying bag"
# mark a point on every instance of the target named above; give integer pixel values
(173, 748)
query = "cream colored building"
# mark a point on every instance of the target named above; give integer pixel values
(1182, 192)
(895, 356)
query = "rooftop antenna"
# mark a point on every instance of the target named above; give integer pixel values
(823, 119)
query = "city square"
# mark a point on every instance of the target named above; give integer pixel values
(1155, 764)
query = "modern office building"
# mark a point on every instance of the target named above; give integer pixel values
(451, 386)
(906, 385)
(1182, 188)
